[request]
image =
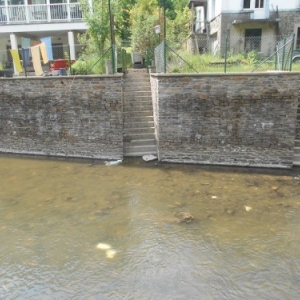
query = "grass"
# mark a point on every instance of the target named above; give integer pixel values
(185, 62)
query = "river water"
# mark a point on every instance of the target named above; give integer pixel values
(243, 242)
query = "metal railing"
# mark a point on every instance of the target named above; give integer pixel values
(20, 14)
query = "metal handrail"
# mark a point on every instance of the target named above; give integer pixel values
(20, 14)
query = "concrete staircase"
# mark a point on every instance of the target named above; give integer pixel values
(296, 161)
(139, 138)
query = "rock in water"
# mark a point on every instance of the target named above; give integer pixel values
(113, 162)
(185, 217)
(111, 253)
(248, 208)
(149, 157)
(103, 246)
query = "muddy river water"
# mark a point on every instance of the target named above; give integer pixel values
(243, 243)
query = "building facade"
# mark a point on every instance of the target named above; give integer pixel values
(249, 24)
(35, 19)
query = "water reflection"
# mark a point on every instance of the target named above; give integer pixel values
(53, 214)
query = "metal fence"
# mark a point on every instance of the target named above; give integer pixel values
(201, 54)
(84, 63)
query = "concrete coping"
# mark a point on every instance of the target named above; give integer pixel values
(70, 77)
(269, 73)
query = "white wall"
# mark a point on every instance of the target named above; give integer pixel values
(284, 4)
(214, 9)
(237, 5)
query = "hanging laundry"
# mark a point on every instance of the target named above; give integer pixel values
(48, 42)
(36, 60)
(25, 43)
(25, 53)
(44, 53)
(16, 60)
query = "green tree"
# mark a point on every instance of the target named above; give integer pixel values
(178, 29)
(144, 16)
(123, 18)
(98, 34)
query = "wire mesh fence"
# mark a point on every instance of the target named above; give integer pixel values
(197, 54)
(201, 54)
(73, 60)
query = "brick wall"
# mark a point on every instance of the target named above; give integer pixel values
(62, 116)
(226, 119)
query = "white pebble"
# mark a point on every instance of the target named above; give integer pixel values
(111, 253)
(248, 208)
(103, 246)
(214, 197)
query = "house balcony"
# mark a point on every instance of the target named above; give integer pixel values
(40, 13)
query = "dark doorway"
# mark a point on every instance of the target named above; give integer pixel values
(253, 39)
(58, 50)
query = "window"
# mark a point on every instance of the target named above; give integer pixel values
(246, 3)
(259, 3)
(253, 39)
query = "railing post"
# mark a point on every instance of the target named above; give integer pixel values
(48, 12)
(226, 45)
(112, 37)
(147, 60)
(69, 56)
(292, 51)
(283, 55)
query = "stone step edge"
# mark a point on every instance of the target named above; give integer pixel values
(139, 153)
(137, 147)
(142, 140)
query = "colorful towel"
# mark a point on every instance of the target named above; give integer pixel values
(16, 60)
(48, 42)
(25, 56)
(36, 60)
(25, 43)
(44, 53)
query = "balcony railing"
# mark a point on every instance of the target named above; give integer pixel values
(40, 13)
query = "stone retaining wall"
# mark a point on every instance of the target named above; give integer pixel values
(226, 119)
(62, 116)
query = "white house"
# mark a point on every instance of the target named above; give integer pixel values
(35, 19)
(249, 24)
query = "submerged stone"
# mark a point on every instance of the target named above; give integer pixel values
(185, 217)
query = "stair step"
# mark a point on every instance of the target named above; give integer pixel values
(137, 78)
(130, 131)
(297, 150)
(142, 148)
(138, 154)
(145, 112)
(137, 109)
(132, 100)
(135, 119)
(146, 124)
(141, 142)
(137, 88)
(142, 94)
(138, 136)
(137, 106)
